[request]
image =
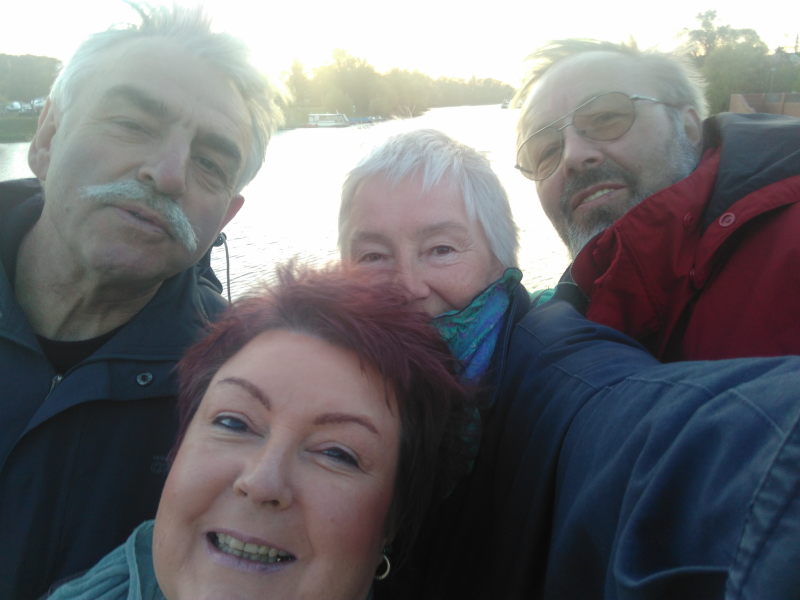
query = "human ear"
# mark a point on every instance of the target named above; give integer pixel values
(236, 203)
(40, 148)
(693, 126)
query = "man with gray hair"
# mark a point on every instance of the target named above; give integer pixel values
(668, 217)
(148, 137)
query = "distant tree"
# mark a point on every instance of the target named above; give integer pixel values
(299, 84)
(452, 92)
(413, 91)
(703, 41)
(357, 78)
(26, 77)
(352, 86)
(734, 69)
(710, 37)
(731, 60)
(385, 99)
(336, 100)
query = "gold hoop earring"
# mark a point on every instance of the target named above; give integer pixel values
(385, 573)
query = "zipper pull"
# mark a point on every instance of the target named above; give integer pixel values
(56, 380)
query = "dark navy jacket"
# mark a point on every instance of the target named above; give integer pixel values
(613, 476)
(456, 531)
(83, 455)
(632, 479)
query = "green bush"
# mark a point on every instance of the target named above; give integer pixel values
(17, 128)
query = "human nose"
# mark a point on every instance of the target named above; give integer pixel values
(411, 277)
(265, 478)
(166, 168)
(579, 152)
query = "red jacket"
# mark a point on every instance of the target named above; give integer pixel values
(709, 267)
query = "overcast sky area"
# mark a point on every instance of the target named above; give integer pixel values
(454, 38)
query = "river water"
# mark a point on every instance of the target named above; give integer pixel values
(291, 207)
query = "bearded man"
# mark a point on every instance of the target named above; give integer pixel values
(683, 231)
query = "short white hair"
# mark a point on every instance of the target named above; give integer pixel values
(437, 157)
(190, 29)
(676, 78)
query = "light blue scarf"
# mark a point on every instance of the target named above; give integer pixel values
(125, 573)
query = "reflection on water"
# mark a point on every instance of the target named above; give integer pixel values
(291, 208)
(14, 161)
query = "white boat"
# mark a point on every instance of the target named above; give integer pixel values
(327, 120)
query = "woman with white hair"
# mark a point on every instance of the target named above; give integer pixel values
(429, 213)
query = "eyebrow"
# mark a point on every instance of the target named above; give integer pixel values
(323, 419)
(368, 236)
(140, 99)
(250, 388)
(434, 228)
(160, 110)
(336, 418)
(222, 145)
(442, 227)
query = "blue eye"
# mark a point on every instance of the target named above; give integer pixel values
(211, 167)
(131, 126)
(341, 456)
(370, 257)
(231, 423)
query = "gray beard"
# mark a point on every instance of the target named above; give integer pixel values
(682, 157)
(129, 190)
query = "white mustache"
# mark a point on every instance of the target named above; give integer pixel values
(131, 190)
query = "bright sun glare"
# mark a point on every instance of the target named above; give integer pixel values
(441, 38)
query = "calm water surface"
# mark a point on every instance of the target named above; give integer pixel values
(291, 207)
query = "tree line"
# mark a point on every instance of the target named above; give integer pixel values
(731, 60)
(737, 61)
(352, 86)
(26, 77)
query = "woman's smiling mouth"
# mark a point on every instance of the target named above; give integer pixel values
(227, 544)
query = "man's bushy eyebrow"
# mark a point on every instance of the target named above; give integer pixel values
(140, 99)
(222, 145)
(157, 108)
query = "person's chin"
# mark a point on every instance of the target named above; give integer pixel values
(581, 233)
(133, 262)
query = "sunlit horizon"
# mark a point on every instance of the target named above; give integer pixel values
(441, 38)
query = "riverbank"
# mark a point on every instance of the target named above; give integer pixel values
(17, 128)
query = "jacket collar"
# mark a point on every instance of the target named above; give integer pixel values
(756, 150)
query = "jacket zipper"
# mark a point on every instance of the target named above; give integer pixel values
(54, 382)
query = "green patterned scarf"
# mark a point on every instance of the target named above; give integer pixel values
(471, 333)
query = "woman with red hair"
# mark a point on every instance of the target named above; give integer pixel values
(319, 417)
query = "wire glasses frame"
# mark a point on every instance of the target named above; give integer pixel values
(602, 118)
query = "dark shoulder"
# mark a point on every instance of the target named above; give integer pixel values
(15, 191)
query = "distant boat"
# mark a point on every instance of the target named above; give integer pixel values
(327, 120)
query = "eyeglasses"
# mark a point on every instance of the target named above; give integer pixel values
(603, 118)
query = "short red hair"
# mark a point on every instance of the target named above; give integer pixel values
(373, 319)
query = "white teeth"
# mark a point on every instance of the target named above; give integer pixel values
(234, 543)
(596, 195)
(265, 554)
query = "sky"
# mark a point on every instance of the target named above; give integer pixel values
(453, 38)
